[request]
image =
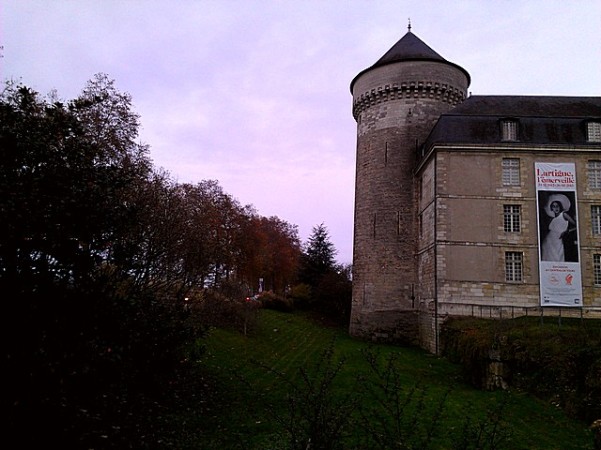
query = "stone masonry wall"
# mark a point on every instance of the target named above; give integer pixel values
(395, 107)
(471, 257)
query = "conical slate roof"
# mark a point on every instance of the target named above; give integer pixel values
(410, 48)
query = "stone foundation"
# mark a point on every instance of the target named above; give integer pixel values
(396, 327)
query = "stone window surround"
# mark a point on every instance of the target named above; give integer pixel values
(512, 218)
(594, 174)
(597, 269)
(511, 171)
(596, 219)
(514, 267)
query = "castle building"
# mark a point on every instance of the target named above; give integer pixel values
(488, 206)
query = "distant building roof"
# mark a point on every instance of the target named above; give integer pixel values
(529, 106)
(541, 120)
(409, 48)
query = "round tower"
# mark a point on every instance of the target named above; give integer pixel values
(396, 102)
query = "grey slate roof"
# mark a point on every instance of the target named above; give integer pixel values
(529, 106)
(541, 120)
(409, 48)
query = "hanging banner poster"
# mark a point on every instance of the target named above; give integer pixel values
(558, 249)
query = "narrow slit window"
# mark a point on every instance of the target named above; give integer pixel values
(386, 154)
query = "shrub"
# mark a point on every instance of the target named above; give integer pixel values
(560, 364)
(301, 295)
(315, 418)
(213, 309)
(276, 302)
(334, 297)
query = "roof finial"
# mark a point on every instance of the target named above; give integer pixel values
(409, 26)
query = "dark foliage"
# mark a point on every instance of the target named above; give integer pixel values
(214, 308)
(333, 296)
(83, 339)
(318, 256)
(112, 273)
(276, 302)
(559, 363)
(102, 259)
(329, 284)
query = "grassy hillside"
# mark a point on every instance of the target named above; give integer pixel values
(292, 379)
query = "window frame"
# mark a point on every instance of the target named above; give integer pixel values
(596, 220)
(593, 170)
(593, 131)
(514, 267)
(510, 130)
(512, 218)
(510, 172)
(597, 269)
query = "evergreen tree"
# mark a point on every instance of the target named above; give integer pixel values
(318, 257)
(330, 283)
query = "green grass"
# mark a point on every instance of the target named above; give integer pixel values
(253, 378)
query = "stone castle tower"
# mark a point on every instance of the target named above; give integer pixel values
(396, 102)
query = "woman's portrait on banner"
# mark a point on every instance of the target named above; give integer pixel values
(558, 237)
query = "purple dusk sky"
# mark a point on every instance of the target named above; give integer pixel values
(255, 93)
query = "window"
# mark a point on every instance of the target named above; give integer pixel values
(509, 130)
(593, 131)
(511, 172)
(597, 269)
(513, 266)
(596, 219)
(511, 218)
(594, 174)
